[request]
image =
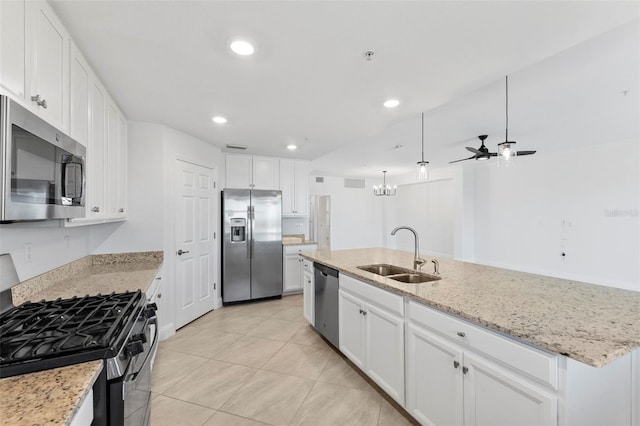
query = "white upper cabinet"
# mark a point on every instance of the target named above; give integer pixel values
(96, 205)
(121, 168)
(294, 184)
(49, 92)
(14, 48)
(34, 59)
(80, 89)
(245, 171)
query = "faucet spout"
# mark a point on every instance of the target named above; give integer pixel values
(417, 261)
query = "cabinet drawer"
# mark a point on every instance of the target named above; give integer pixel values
(539, 365)
(293, 249)
(383, 298)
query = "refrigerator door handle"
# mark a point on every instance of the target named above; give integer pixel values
(252, 240)
(249, 232)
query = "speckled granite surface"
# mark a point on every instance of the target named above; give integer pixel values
(296, 240)
(104, 273)
(589, 323)
(49, 397)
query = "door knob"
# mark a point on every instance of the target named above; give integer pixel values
(181, 252)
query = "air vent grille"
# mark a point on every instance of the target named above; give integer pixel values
(236, 146)
(354, 183)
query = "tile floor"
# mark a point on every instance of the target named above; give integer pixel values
(260, 363)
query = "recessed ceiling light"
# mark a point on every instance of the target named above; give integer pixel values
(219, 120)
(391, 103)
(242, 47)
(292, 147)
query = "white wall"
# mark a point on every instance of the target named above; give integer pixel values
(583, 202)
(357, 217)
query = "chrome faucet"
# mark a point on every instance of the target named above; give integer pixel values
(436, 267)
(417, 261)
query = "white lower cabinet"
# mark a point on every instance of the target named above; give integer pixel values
(451, 382)
(293, 279)
(371, 329)
(308, 290)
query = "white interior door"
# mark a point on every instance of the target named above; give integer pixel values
(195, 208)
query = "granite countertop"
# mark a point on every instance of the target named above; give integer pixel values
(589, 323)
(296, 240)
(48, 397)
(53, 396)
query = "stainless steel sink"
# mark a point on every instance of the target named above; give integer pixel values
(414, 278)
(384, 269)
(397, 273)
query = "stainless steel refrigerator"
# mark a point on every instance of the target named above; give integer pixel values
(252, 244)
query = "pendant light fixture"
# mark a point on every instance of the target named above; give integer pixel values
(384, 189)
(506, 150)
(423, 169)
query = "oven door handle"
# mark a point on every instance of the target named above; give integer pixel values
(152, 349)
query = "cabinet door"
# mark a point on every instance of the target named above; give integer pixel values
(14, 47)
(351, 328)
(121, 168)
(308, 297)
(434, 378)
(80, 87)
(238, 171)
(301, 188)
(266, 173)
(287, 177)
(496, 396)
(96, 154)
(384, 351)
(112, 159)
(50, 66)
(292, 273)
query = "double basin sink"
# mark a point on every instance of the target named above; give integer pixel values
(398, 273)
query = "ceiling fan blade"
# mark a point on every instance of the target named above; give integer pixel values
(464, 159)
(493, 154)
(475, 151)
(526, 152)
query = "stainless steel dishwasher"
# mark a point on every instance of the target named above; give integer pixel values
(326, 302)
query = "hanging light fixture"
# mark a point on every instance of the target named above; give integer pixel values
(506, 150)
(423, 169)
(384, 189)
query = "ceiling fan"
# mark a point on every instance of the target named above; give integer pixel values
(505, 149)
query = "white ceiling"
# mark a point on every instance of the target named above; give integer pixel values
(308, 83)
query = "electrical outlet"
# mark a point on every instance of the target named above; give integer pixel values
(300, 226)
(27, 252)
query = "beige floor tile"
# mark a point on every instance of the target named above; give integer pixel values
(203, 342)
(299, 360)
(240, 324)
(294, 299)
(329, 404)
(389, 416)
(269, 397)
(170, 367)
(291, 313)
(211, 384)
(307, 336)
(339, 372)
(215, 315)
(171, 412)
(276, 329)
(249, 351)
(221, 418)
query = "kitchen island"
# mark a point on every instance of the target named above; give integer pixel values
(54, 396)
(485, 340)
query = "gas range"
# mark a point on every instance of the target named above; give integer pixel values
(119, 328)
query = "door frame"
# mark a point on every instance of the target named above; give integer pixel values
(170, 242)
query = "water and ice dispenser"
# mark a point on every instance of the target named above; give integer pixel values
(238, 230)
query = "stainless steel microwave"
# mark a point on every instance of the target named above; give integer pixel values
(43, 170)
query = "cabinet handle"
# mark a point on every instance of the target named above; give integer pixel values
(158, 278)
(461, 333)
(465, 370)
(120, 210)
(42, 102)
(95, 209)
(364, 313)
(159, 295)
(456, 364)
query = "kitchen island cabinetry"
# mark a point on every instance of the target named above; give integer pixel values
(448, 382)
(371, 324)
(251, 172)
(309, 289)
(294, 267)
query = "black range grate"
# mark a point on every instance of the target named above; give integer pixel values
(47, 334)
